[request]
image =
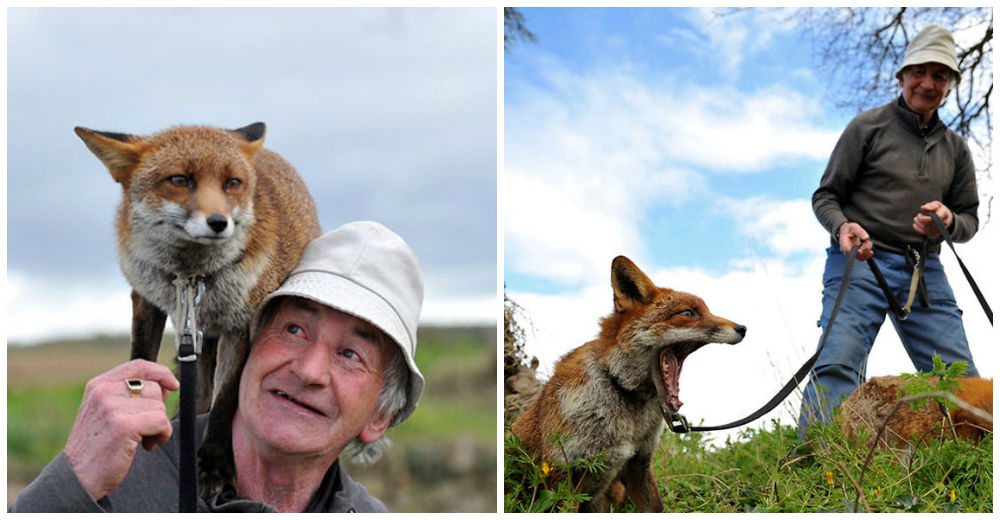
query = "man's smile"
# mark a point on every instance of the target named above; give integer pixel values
(297, 402)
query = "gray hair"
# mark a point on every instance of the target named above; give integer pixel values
(395, 381)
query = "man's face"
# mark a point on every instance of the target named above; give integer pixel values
(312, 381)
(925, 86)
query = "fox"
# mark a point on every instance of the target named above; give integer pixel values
(870, 404)
(209, 202)
(611, 395)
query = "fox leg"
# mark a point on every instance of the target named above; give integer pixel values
(640, 484)
(147, 328)
(206, 373)
(595, 485)
(216, 467)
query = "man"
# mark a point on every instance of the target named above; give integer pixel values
(331, 364)
(891, 164)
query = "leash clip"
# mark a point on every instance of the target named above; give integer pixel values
(189, 337)
(677, 423)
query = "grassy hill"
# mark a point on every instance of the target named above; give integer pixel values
(769, 470)
(443, 457)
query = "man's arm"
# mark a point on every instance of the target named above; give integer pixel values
(110, 425)
(838, 178)
(56, 489)
(963, 196)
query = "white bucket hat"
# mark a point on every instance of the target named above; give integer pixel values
(933, 44)
(365, 270)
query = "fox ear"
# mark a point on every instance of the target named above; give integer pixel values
(118, 152)
(254, 135)
(631, 286)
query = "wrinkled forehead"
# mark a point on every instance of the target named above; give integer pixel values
(283, 304)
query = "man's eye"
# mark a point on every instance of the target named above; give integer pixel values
(349, 354)
(293, 329)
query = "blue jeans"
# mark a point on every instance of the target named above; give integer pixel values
(842, 364)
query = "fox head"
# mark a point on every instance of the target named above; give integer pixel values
(189, 183)
(653, 330)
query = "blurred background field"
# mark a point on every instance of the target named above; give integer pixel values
(443, 457)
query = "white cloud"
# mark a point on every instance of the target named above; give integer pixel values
(786, 227)
(733, 36)
(586, 159)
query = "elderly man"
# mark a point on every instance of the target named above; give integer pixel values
(331, 364)
(891, 164)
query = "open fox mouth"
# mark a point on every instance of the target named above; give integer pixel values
(666, 375)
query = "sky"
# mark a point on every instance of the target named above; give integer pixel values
(388, 114)
(692, 144)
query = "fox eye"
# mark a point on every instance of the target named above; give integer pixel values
(687, 312)
(232, 184)
(180, 181)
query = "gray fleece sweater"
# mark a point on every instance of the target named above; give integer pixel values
(152, 486)
(885, 166)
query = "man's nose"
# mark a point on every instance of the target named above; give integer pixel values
(312, 366)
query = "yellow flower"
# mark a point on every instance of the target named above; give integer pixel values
(545, 468)
(829, 477)
(878, 491)
(953, 495)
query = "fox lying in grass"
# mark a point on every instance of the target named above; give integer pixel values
(611, 394)
(869, 405)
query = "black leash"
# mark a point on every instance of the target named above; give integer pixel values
(189, 291)
(679, 424)
(188, 491)
(968, 276)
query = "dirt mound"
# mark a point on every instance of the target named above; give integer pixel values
(520, 380)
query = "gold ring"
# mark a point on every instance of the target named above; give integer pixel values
(134, 387)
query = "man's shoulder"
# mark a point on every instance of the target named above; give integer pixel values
(356, 496)
(875, 116)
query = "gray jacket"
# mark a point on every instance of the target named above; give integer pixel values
(885, 166)
(151, 485)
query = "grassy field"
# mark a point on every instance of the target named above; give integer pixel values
(443, 457)
(770, 471)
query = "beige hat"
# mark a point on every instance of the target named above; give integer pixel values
(933, 44)
(365, 270)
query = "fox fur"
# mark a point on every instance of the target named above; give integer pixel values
(204, 201)
(869, 405)
(611, 394)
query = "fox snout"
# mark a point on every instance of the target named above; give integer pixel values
(217, 222)
(209, 228)
(741, 330)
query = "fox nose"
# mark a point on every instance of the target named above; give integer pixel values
(217, 222)
(741, 330)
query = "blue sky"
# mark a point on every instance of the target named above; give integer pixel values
(690, 143)
(388, 114)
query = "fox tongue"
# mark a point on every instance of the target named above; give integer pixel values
(670, 369)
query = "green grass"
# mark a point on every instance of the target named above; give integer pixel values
(769, 471)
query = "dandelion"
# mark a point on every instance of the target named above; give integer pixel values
(953, 495)
(546, 468)
(829, 477)
(878, 490)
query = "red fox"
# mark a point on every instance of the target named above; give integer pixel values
(204, 201)
(611, 395)
(869, 405)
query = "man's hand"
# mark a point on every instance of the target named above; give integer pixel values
(924, 225)
(852, 234)
(111, 423)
